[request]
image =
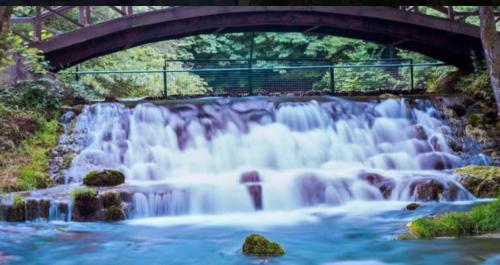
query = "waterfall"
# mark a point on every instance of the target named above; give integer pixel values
(264, 154)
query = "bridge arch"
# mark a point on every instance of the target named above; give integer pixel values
(448, 41)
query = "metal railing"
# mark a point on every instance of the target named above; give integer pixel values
(272, 76)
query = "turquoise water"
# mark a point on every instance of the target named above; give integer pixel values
(352, 234)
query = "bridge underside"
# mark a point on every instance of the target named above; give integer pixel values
(437, 38)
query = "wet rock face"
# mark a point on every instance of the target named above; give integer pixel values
(104, 178)
(85, 205)
(481, 181)
(385, 185)
(252, 180)
(312, 190)
(412, 206)
(433, 190)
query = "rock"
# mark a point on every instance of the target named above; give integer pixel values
(257, 245)
(481, 181)
(312, 190)
(17, 212)
(252, 180)
(104, 178)
(113, 213)
(434, 160)
(383, 184)
(412, 206)
(475, 120)
(110, 199)
(427, 190)
(86, 205)
(416, 131)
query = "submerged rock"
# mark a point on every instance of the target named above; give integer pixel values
(106, 177)
(427, 190)
(412, 206)
(481, 181)
(385, 185)
(257, 245)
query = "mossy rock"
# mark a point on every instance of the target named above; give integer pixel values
(110, 199)
(475, 120)
(257, 245)
(17, 212)
(85, 203)
(113, 214)
(67, 160)
(104, 178)
(482, 181)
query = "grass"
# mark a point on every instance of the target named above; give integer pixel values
(480, 219)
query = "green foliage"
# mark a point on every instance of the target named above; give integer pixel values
(36, 173)
(258, 245)
(43, 96)
(18, 202)
(477, 84)
(31, 57)
(481, 219)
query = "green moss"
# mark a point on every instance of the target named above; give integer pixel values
(104, 178)
(83, 193)
(67, 160)
(476, 120)
(482, 181)
(481, 219)
(258, 245)
(113, 213)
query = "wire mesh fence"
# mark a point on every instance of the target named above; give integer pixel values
(279, 76)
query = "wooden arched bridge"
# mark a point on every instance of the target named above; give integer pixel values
(448, 39)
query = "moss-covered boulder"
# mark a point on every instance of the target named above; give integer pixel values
(482, 181)
(111, 199)
(86, 204)
(113, 213)
(17, 212)
(479, 220)
(104, 178)
(257, 245)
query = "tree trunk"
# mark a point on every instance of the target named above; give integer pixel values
(491, 46)
(5, 12)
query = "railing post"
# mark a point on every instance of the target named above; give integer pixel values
(165, 80)
(37, 24)
(411, 75)
(77, 76)
(332, 79)
(250, 89)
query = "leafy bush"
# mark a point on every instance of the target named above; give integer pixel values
(44, 96)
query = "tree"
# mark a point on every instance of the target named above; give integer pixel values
(5, 12)
(491, 46)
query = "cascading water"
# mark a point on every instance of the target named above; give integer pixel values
(231, 156)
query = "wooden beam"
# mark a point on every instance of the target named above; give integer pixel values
(219, 30)
(451, 16)
(63, 16)
(21, 20)
(311, 29)
(118, 10)
(37, 24)
(397, 42)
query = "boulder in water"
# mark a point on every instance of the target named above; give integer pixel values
(86, 204)
(106, 177)
(482, 181)
(427, 190)
(252, 180)
(383, 184)
(412, 206)
(257, 245)
(17, 212)
(113, 213)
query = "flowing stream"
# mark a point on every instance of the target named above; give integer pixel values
(326, 177)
